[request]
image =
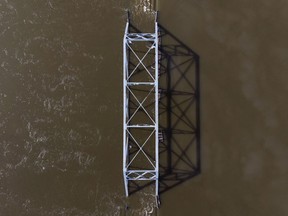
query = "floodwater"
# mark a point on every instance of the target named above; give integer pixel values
(61, 108)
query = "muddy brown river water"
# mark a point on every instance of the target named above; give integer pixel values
(61, 108)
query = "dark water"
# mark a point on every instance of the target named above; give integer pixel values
(243, 53)
(61, 107)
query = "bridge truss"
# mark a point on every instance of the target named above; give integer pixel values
(140, 108)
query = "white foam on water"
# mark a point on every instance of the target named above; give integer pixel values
(143, 6)
(22, 162)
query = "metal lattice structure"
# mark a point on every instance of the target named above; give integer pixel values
(140, 108)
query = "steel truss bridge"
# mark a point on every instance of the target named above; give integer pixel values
(151, 59)
(140, 107)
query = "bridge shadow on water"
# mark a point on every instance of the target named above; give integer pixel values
(179, 113)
